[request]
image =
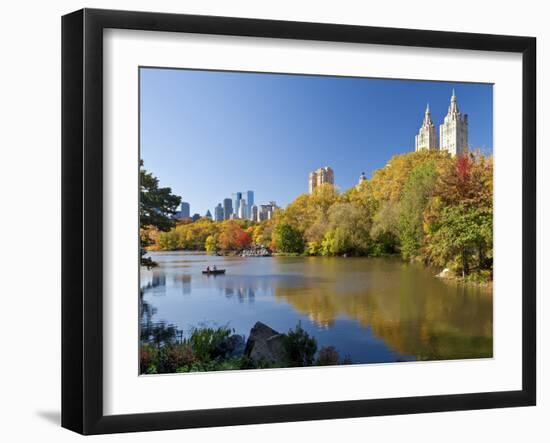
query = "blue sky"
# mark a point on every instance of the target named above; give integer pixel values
(207, 134)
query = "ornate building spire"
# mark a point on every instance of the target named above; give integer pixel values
(427, 117)
(427, 135)
(453, 133)
(453, 107)
(362, 178)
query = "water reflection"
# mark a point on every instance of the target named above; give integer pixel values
(243, 294)
(373, 309)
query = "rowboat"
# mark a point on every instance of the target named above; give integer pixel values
(214, 272)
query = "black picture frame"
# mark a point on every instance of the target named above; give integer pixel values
(82, 190)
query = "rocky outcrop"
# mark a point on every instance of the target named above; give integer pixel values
(446, 273)
(265, 345)
(256, 251)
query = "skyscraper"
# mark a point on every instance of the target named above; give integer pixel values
(185, 211)
(242, 208)
(320, 176)
(266, 211)
(427, 135)
(218, 212)
(249, 203)
(237, 196)
(453, 133)
(254, 213)
(227, 208)
(208, 214)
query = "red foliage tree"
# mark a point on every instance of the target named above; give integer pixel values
(463, 168)
(242, 239)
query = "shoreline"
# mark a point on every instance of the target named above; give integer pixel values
(486, 285)
(449, 278)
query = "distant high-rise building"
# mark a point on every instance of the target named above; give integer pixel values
(427, 135)
(218, 212)
(254, 213)
(208, 214)
(242, 208)
(237, 197)
(320, 176)
(227, 208)
(249, 203)
(185, 211)
(453, 133)
(266, 212)
(196, 217)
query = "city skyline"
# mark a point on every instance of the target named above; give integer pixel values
(225, 209)
(267, 132)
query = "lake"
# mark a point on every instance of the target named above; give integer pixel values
(371, 309)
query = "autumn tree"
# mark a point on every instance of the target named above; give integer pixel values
(348, 233)
(243, 240)
(460, 216)
(232, 236)
(462, 232)
(211, 243)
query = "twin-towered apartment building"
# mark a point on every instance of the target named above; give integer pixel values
(453, 133)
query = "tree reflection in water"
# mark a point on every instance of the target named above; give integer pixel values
(343, 301)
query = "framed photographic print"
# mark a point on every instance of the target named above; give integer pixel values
(269, 221)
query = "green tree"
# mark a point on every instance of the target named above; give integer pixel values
(156, 206)
(416, 194)
(349, 226)
(461, 235)
(384, 231)
(289, 239)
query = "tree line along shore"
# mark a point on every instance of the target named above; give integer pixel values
(426, 206)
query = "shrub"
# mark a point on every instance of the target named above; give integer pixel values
(314, 248)
(204, 341)
(300, 347)
(160, 334)
(147, 355)
(177, 356)
(347, 360)
(328, 355)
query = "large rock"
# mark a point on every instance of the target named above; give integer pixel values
(446, 273)
(265, 345)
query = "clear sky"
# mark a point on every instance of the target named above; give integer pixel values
(207, 134)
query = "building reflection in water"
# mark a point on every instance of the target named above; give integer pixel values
(243, 294)
(153, 282)
(183, 281)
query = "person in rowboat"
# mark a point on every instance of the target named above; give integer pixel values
(208, 269)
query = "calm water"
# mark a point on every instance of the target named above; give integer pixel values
(372, 309)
